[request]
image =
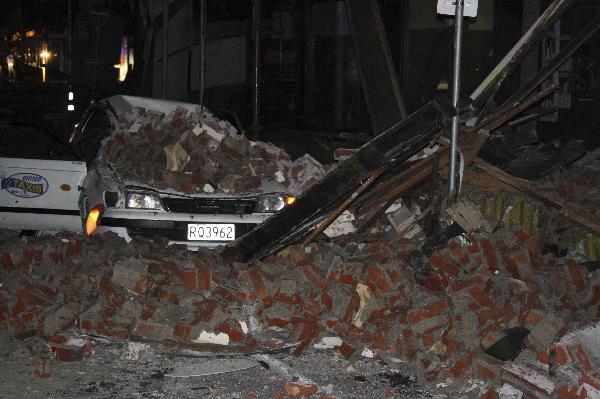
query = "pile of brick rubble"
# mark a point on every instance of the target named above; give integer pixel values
(195, 152)
(366, 295)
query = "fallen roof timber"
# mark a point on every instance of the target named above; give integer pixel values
(393, 146)
(492, 83)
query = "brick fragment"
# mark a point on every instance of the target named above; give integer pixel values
(429, 316)
(488, 368)
(131, 274)
(530, 381)
(576, 275)
(154, 331)
(445, 264)
(544, 333)
(58, 320)
(299, 390)
(259, 286)
(481, 297)
(489, 254)
(41, 367)
(380, 279)
(69, 353)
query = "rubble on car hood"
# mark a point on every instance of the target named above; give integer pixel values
(194, 152)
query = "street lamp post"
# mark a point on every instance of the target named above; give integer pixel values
(44, 55)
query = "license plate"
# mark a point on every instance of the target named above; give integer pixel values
(211, 232)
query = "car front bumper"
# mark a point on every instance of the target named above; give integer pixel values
(129, 223)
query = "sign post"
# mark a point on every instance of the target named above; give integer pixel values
(458, 8)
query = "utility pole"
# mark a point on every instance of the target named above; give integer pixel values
(458, 32)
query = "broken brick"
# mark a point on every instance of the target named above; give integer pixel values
(132, 274)
(299, 390)
(41, 367)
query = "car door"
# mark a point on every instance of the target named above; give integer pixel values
(40, 178)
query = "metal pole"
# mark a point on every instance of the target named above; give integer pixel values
(202, 51)
(165, 53)
(256, 24)
(460, 4)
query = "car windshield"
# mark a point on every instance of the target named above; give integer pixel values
(95, 127)
(20, 139)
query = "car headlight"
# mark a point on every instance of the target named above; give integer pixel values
(270, 203)
(144, 201)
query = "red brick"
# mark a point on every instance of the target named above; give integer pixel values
(445, 264)
(380, 279)
(487, 368)
(436, 282)
(497, 314)
(531, 382)
(461, 366)
(132, 275)
(183, 331)
(149, 310)
(378, 313)
(259, 286)
(69, 353)
(579, 353)
(233, 330)
(41, 367)
(300, 390)
(544, 333)
(459, 254)
(481, 297)
(6, 260)
(576, 275)
(562, 355)
(299, 256)
(204, 279)
(427, 311)
(74, 247)
(312, 276)
(168, 294)
(459, 285)
(189, 278)
(509, 262)
(346, 350)
(592, 379)
(490, 394)
(473, 245)
(489, 254)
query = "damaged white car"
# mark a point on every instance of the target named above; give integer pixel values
(146, 167)
(163, 168)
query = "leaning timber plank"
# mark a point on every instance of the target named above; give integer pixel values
(340, 209)
(562, 57)
(395, 145)
(570, 210)
(492, 83)
(470, 143)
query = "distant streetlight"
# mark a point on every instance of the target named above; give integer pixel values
(44, 55)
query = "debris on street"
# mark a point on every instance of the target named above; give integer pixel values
(371, 275)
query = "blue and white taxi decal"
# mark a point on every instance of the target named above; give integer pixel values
(25, 185)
